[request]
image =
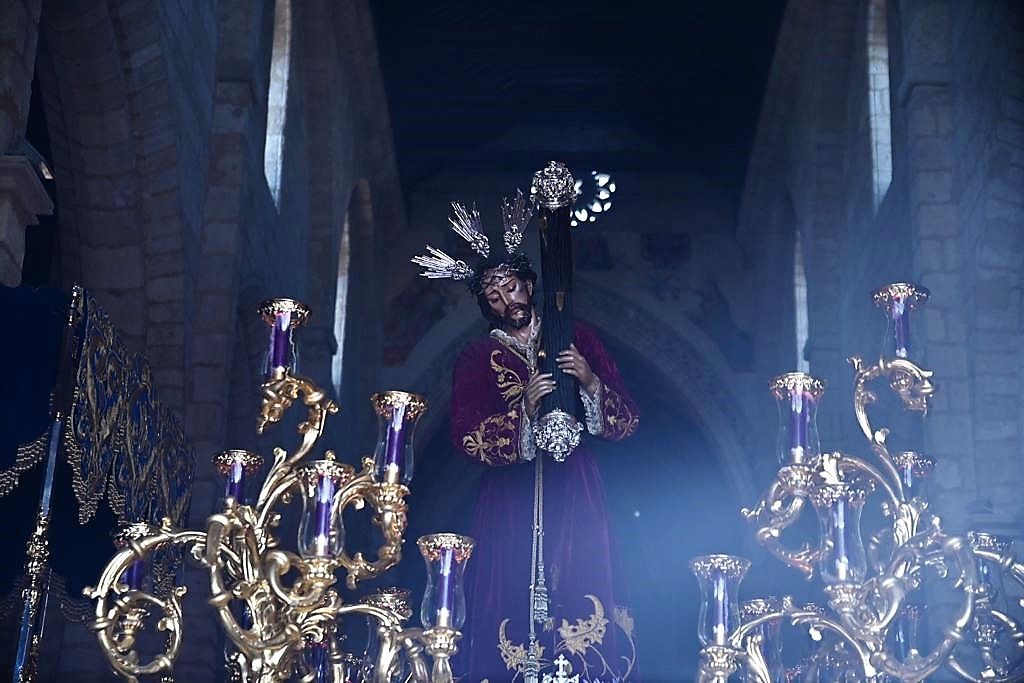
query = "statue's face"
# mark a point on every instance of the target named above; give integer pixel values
(510, 299)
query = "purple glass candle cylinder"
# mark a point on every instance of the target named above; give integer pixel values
(444, 600)
(283, 316)
(321, 533)
(236, 466)
(281, 341)
(397, 415)
(138, 571)
(898, 300)
(991, 591)
(719, 577)
(770, 632)
(135, 574)
(908, 631)
(797, 395)
(839, 508)
(914, 468)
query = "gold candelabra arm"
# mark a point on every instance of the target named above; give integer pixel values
(439, 643)
(910, 382)
(928, 548)
(412, 644)
(279, 393)
(819, 622)
(780, 508)
(754, 660)
(1000, 557)
(388, 500)
(122, 613)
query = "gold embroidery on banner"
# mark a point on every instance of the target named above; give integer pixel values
(514, 654)
(587, 632)
(624, 620)
(510, 384)
(494, 440)
(619, 417)
(584, 637)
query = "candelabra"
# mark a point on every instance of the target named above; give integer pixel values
(872, 629)
(280, 610)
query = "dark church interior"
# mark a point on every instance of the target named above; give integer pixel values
(292, 364)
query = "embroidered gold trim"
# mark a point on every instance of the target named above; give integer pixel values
(584, 637)
(510, 384)
(494, 441)
(620, 418)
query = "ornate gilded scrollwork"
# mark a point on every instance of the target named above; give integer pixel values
(874, 601)
(268, 620)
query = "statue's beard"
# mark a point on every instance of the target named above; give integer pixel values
(517, 316)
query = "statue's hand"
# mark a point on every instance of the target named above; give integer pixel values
(539, 386)
(572, 362)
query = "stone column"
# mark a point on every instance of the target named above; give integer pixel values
(22, 199)
(22, 196)
(19, 33)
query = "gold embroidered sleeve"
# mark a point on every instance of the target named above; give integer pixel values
(495, 441)
(510, 385)
(620, 415)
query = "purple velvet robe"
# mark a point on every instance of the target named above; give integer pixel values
(586, 624)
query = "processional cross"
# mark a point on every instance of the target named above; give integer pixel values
(557, 430)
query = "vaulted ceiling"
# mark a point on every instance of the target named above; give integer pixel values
(479, 85)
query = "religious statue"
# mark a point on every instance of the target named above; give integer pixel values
(544, 586)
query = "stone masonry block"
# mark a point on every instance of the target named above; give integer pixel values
(168, 288)
(164, 264)
(951, 434)
(936, 220)
(935, 325)
(220, 237)
(215, 312)
(113, 267)
(172, 334)
(943, 286)
(930, 256)
(210, 348)
(948, 360)
(209, 383)
(931, 153)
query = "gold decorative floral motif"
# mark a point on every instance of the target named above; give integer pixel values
(513, 654)
(579, 640)
(250, 461)
(586, 633)
(624, 620)
(271, 308)
(386, 402)
(510, 384)
(912, 295)
(619, 417)
(494, 441)
(784, 386)
(432, 545)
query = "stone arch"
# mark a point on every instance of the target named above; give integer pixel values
(693, 371)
